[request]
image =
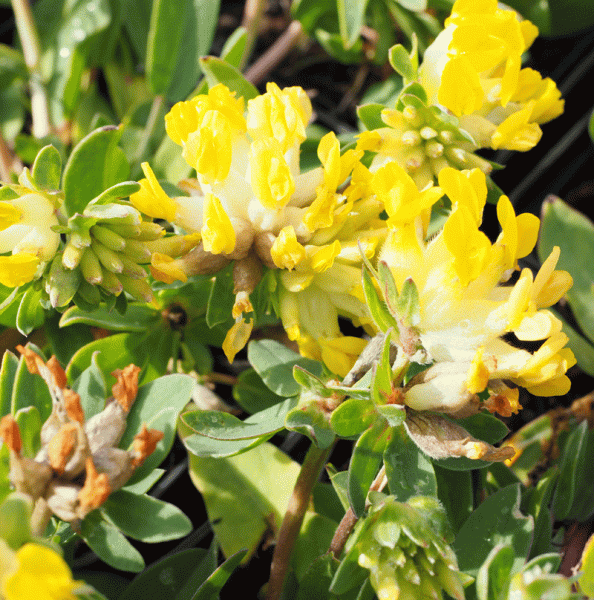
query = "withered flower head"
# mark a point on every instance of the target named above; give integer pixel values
(9, 432)
(145, 443)
(96, 488)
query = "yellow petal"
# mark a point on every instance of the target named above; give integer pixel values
(18, 269)
(166, 269)
(270, 175)
(151, 199)
(42, 575)
(460, 89)
(9, 215)
(286, 251)
(218, 235)
(237, 337)
(323, 258)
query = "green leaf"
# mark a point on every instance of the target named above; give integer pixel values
(166, 578)
(570, 16)
(150, 351)
(30, 390)
(234, 47)
(497, 521)
(310, 382)
(317, 579)
(144, 485)
(138, 317)
(353, 417)
(201, 446)
(365, 463)
(91, 388)
(334, 45)
(29, 424)
(157, 404)
(15, 519)
(311, 420)
(538, 507)
(455, 492)
(583, 350)
(218, 579)
(274, 363)
(570, 230)
(493, 577)
(407, 305)
(221, 299)
(217, 70)
(168, 19)
(47, 168)
(30, 314)
(201, 21)
(381, 382)
(395, 414)
(409, 471)
(571, 471)
(251, 393)
(245, 495)
(10, 364)
(223, 426)
(95, 164)
(111, 546)
(351, 19)
(144, 518)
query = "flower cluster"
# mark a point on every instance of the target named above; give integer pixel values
(79, 464)
(473, 94)
(465, 308)
(473, 69)
(252, 205)
(404, 547)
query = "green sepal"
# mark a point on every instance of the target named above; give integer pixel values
(116, 192)
(381, 375)
(404, 63)
(371, 115)
(377, 307)
(408, 305)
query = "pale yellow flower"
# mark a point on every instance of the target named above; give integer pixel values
(466, 307)
(473, 69)
(25, 232)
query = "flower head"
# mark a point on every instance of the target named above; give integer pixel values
(253, 205)
(465, 312)
(473, 69)
(26, 232)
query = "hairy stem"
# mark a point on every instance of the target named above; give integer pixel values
(310, 471)
(349, 520)
(31, 51)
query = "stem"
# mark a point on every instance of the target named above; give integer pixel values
(349, 520)
(31, 51)
(149, 128)
(252, 14)
(275, 54)
(310, 471)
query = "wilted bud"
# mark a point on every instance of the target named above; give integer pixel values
(439, 437)
(404, 547)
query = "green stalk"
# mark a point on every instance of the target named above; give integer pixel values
(149, 129)
(308, 476)
(31, 51)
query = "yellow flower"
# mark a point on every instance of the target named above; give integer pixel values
(252, 204)
(473, 69)
(465, 308)
(38, 573)
(25, 231)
